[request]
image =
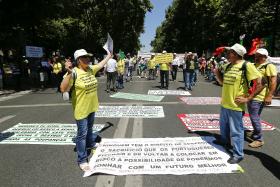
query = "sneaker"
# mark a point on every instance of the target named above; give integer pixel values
(84, 167)
(256, 144)
(234, 160)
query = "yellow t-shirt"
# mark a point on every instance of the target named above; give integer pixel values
(269, 71)
(235, 85)
(152, 63)
(164, 66)
(57, 67)
(120, 66)
(84, 96)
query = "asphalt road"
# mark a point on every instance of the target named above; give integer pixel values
(55, 165)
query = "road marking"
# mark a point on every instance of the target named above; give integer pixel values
(15, 95)
(6, 118)
(108, 180)
(102, 103)
(137, 132)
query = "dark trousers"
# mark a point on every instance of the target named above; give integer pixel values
(174, 72)
(111, 78)
(164, 75)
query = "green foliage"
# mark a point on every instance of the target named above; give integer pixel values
(72, 24)
(199, 25)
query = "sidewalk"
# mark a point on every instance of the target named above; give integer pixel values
(6, 92)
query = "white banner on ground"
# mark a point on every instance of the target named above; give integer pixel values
(201, 100)
(210, 122)
(34, 52)
(176, 156)
(130, 112)
(42, 133)
(141, 97)
(168, 92)
(275, 103)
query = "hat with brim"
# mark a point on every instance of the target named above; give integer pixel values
(81, 52)
(239, 49)
(262, 51)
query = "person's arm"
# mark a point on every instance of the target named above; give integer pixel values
(272, 86)
(219, 76)
(65, 84)
(104, 61)
(259, 88)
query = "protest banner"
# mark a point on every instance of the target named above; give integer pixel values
(34, 52)
(163, 58)
(168, 92)
(141, 97)
(130, 112)
(176, 156)
(210, 122)
(201, 100)
(42, 133)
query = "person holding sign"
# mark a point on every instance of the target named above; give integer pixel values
(84, 100)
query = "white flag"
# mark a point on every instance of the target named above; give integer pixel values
(108, 46)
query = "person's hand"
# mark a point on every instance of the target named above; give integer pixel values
(267, 100)
(68, 66)
(241, 99)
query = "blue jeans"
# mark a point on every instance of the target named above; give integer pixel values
(255, 110)
(189, 80)
(231, 128)
(85, 137)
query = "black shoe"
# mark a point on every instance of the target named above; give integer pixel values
(234, 160)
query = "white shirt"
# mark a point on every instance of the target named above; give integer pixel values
(176, 61)
(111, 65)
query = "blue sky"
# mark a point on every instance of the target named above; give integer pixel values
(152, 21)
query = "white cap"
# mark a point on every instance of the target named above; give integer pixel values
(239, 49)
(153, 54)
(164, 51)
(81, 52)
(262, 51)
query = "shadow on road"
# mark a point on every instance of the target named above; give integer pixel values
(5, 135)
(268, 162)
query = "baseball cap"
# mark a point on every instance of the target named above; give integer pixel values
(262, 51)
(81, 52)
(164, 51)
(239, 49)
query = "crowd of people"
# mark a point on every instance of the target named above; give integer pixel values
(243, 83)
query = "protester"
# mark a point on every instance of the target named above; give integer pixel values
(130, 68)
(121, 71)
(57, 72)
(196, 70)
(190, 67)
(164, 74)
(255, 106)
(16, 74)
(175, 63)
(151, 67)
(234, 96)
(111, 69)
(84, 101)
